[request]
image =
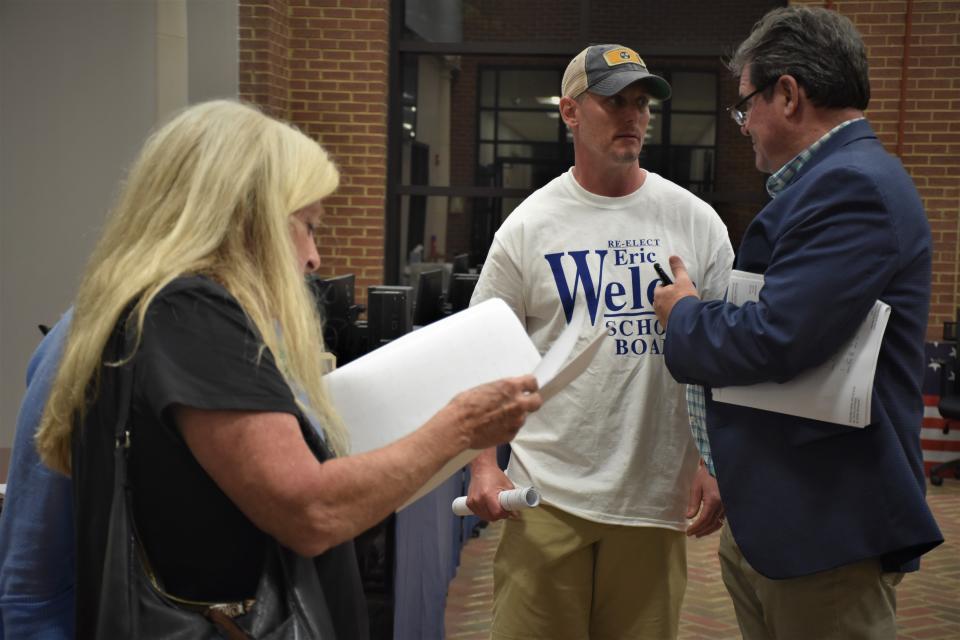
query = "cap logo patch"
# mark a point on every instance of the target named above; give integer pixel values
(622, 56)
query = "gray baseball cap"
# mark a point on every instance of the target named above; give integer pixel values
(605, 69)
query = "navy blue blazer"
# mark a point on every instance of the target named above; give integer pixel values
(803, 496)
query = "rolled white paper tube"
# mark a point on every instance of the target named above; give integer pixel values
(512, 500)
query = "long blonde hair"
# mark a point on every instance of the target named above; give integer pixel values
(210, 193)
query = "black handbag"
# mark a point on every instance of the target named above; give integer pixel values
(289, 602)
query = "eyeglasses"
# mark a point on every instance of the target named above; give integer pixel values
(737, 112)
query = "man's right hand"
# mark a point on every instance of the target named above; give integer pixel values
(486, 483)
(665, 297)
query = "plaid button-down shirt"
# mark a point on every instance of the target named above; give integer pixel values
(697, 408)
(785, 175)
(780, 180)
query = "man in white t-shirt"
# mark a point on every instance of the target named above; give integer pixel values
(604, 556)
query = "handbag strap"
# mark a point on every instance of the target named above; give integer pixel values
(117, 614)
(123, 492)
(292, 583)
(121, 430)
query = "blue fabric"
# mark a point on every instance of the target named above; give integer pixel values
(803, 496)
(780, 180)
(36, 527)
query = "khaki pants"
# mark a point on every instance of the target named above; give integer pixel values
(848, 603)
(560, 577)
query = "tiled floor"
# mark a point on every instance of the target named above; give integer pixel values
(928, 601)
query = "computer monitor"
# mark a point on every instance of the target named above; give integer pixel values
(461, 290)
(429, 304)
(334, 295)
(389, 313)
(461, 263)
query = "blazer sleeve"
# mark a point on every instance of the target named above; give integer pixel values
(833, 251)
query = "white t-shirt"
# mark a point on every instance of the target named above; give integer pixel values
(615, 445)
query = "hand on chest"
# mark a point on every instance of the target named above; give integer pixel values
(614, 280)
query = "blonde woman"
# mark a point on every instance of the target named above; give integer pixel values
(202, 265)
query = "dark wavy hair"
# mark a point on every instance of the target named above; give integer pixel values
(820, 48)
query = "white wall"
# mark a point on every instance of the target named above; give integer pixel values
(82, 82)
(212, 33)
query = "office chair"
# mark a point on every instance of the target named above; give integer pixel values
(949, 404)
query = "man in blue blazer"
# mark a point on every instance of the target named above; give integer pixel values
(823, 518)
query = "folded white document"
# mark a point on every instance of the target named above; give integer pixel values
(392, 391)
(839, 390)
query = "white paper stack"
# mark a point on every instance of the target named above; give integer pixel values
(395, 389)
(839, 390)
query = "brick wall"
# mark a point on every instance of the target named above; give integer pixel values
(322, 64)
(521, 21)
(463, 150)
(263, 44)
(930, 147)
(717, 26)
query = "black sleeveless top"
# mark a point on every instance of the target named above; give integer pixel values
(198, 349)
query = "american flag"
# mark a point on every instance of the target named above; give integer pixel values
(938, 446)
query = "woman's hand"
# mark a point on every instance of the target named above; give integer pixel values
(492, 413)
